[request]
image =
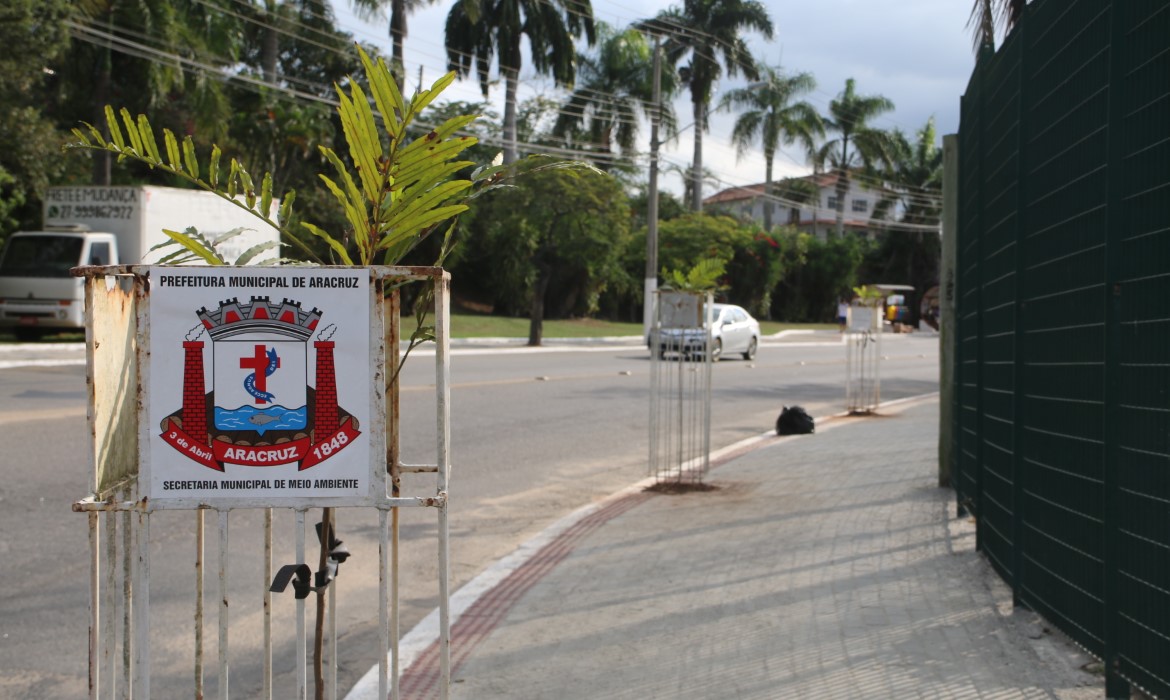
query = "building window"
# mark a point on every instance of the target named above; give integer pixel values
(832, 203)
(860, 205)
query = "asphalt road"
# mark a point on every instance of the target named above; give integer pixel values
(534, 436)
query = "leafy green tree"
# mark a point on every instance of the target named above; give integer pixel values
(857, 144)
(696, 236)
(11, 200)
(755, 261)
(669, 206)
(481, 32)
(296, 44)
(706, 31)
(760, 265)
(829, 272)
(34, 33)
(285, 136)
(551, 243)
(614, 86)
(101, 68)
(774, 118)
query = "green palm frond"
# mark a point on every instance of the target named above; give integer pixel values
(704, 276)
(392, 192)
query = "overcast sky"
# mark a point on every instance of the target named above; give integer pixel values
(917, 53)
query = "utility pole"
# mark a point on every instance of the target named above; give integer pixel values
(651, 284)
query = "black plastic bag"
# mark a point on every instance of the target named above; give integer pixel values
(794, 420)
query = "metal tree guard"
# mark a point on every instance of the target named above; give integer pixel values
(863, 352)
(124, 499)
(680, 387)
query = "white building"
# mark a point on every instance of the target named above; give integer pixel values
(818, 216)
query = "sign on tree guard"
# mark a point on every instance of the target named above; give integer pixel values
(259, 383)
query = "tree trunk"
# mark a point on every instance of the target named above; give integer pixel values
(768, 192)
(816, 211)
(841, 189)
(536, 317)
(397, 37)
(510, 84)
(271, 48)
(697, 162)
(606, 160)
(103, 69)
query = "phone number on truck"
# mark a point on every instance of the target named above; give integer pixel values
(89, 211)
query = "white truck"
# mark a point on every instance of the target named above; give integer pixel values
(105, 226)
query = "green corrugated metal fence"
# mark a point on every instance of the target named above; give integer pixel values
(1063, 342)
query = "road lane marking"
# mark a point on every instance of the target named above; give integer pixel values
(42, 415)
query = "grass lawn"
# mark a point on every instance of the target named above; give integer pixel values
(480, 326)
(465, 325)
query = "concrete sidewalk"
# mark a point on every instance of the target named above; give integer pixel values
(822, 566)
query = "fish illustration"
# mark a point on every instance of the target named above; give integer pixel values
(262, 419)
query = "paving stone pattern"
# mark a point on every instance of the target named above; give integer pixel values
(824, 566)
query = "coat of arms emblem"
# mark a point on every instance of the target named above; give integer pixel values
(270, 395)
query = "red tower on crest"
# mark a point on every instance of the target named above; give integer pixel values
(194, 392)
(326, 418)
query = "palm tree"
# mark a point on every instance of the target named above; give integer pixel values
(704, 31)
(399, 9)
(914, 180)
(773, 118)
(858, 145)
(984, 21)
(614, 86)
(914, 176)
(550, 25)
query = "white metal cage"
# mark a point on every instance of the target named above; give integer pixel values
(863, 352)
(146, 642)
(680, 387)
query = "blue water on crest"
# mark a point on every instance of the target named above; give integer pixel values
(261, 420)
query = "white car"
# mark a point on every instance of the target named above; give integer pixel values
(733, 330)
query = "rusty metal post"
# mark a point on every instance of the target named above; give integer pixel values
(142, 607)
(393, 457)
(443, 397)
(94, 603)
(199, 564)
(266, 690)
(302, 636)
(224, 665)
